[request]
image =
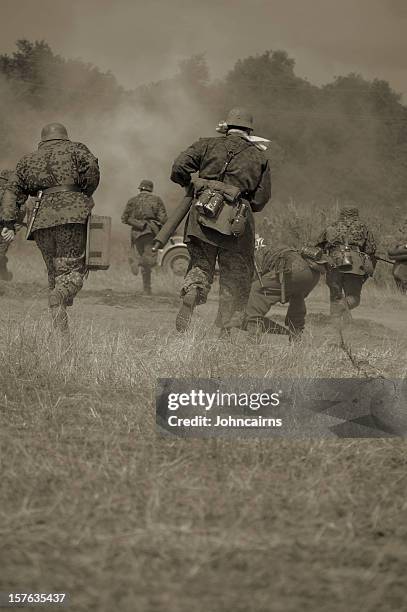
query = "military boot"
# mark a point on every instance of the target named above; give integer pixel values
(225, 333)
(59, 318)
(254, 332)
(340, 313)
(146, 274)
(5, 274)
(184, 316)
(295, 335)
(59, 315)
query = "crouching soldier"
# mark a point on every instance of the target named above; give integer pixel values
(5, 274)
(62, 175)
(146, 214)
(399, 254)
(352, 247)
(283, 274)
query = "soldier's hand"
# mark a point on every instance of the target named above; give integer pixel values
(7, 234)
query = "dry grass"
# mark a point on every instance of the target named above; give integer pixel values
(94, 503)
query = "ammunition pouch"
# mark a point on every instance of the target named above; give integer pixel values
(210, 203)
(219, 205)
(351, 260)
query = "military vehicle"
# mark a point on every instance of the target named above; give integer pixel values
(173, 257)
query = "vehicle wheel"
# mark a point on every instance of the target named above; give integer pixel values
(176, 261)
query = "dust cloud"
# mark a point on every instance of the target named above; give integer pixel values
(130, 141)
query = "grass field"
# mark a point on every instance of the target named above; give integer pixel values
(94, 503)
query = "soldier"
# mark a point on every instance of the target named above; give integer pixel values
(63, 176)
(400, 267)
(5, 274)
(235, 174)
(146, 214)
(283, 274)
(352, 248)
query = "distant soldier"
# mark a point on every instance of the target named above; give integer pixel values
(5, 274)
(399, 248)
(234, 182)
(62, 175)
(283, 274)
(146, 214)
(352, 247)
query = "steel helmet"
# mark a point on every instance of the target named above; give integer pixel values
(146, 185)
(240, 117)
(54, 131)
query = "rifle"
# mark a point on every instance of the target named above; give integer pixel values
(272, 327)
(33, 216)
(258, 274)
(174, 220)
(385, 260)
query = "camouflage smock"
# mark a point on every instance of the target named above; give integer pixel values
(401, 233)
(57, 162)
(248, 170)
(281, 258)
(144, 207)
(351, 229)
(4, 178)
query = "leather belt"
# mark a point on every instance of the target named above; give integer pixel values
(60, 188)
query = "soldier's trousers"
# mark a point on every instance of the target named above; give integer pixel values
(142, 256)
(345, 290)
(63, 250)
(4, 247)
(400, 275)
(235, 275)
(298, 284)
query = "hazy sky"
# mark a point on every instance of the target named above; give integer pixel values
(142, 41)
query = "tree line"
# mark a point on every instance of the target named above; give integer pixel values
(343, 141)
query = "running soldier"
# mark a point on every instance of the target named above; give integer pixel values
(234, 181)
(6, 274)
(283, 274)
(352, 248)
(62, 175)
(146, 214)
(400, 250)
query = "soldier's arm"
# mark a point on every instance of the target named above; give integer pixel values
(126, 213)
(322, 242)
(88, 169)
(15, 195)
(160, 212)
(370, 244)
(187, 163)
(263, 192)
(128, 216)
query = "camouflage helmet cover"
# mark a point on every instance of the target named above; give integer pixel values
(240, 117)
(54, 131)
(146, 185)
(314, 254)
(349, 212)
